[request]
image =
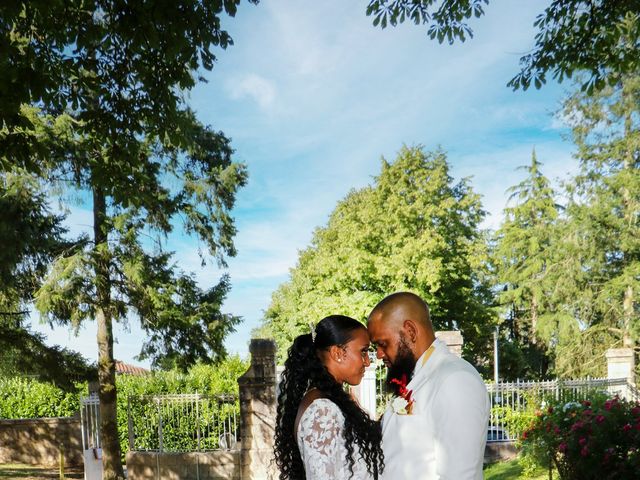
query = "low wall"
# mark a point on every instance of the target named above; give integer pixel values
(500, 451)
(216, 465)
(36, 441)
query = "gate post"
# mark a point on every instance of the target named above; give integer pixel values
(258, 412)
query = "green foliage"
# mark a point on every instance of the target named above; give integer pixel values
(30, 398)
(599, 267)
(25, 353)
(178, 433)
(512, 470)
(572, 35)
(120, 66)
(110, 77)
(595, 439)
(521, 258)
(414, 229)
(30, 235)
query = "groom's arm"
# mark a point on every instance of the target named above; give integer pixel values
(461, 410)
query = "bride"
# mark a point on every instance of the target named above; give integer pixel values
(321, 432)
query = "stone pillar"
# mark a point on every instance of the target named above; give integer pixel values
(258, 412)
(621, 364)
(453, 339)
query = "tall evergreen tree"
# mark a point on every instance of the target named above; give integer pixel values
(92, 99)
(30, 236)
(603, 213)
(522, 256)
(413, 229)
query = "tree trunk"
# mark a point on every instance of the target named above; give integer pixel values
(630, 212)
(627, 313)
(111, 463)
(534, 319)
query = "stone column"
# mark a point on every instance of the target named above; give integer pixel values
(258, 412)
(453, 339)
(621, 364)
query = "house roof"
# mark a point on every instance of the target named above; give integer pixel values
(126, 369)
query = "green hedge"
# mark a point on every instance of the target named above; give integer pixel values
(203, 379)
(30, 398)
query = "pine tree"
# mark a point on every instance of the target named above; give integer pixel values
(522, 256)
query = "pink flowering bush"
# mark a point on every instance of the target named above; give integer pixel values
(588, 440)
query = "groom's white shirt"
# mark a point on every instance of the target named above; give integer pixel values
(445, 436)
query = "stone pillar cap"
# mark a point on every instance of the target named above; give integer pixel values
(262, 346)
(619, 352)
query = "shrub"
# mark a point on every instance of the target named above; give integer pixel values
(204, 379)
(589, 440)
(30, 398)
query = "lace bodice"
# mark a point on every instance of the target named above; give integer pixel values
(322, 447)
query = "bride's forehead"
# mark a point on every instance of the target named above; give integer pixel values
(361, 335)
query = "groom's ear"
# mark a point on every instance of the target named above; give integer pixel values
(411, 330)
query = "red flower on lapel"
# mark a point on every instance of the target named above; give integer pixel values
(406, 407)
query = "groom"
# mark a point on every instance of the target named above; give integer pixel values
(436, 427)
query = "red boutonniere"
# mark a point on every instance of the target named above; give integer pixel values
(403, 403)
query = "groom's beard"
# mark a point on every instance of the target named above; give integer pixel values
(403, 364)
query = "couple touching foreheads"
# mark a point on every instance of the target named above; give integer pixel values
(434, 429)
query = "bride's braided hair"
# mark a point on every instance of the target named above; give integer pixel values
(304, 370)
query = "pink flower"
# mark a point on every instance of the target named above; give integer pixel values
(585, 451)
(627, 427)
(576, 426)
(582, 441)
(587, 412)
(586, 403)
(636, 411)
(562, 447)
(600, 418)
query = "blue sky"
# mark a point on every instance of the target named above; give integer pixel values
(312, 96)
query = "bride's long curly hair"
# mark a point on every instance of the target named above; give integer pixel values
(304, 370)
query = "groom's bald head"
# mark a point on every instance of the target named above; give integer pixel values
(401, 317)
(403, 305)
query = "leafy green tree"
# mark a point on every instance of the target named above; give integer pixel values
(602, 257)
(414, 229)
(522, 256)
(92, 100)
(572, 35)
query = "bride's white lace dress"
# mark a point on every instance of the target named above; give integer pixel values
(322, 446)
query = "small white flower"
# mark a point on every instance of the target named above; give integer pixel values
(569, 405)
(399, 405)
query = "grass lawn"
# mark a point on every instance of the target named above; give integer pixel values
(31, 472)
(511, 471)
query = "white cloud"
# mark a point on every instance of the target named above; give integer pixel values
(261, 90)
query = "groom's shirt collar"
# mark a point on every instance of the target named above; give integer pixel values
(422, 361)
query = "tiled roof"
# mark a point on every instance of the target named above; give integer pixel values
(125, 368)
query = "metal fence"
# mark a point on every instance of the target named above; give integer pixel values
(183, 423)
(514, 403)
(90, 421)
